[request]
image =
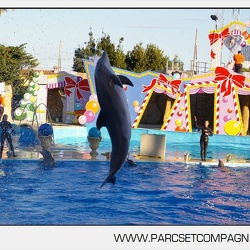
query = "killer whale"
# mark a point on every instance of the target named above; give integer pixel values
(114, 113)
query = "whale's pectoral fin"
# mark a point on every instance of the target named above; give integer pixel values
(101, 121)
(115, 80)
(125, 80)
(111, 178)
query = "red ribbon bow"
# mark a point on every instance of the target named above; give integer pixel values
(147, 88)
(222, 74)
(81, 85)
(174, 84)
(214, 37)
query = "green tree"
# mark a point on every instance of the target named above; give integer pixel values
(93, 48)
(120, 58)
(16, 65)
(154, 58)
(138, 60)
(84, 53)
(105, 44)
(135, 59)
(115, 53)
(78, 64)
(151, 58)
(16, 68)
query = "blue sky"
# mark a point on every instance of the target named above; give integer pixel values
(172, 30)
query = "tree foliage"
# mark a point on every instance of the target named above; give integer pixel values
(135, 59)
(16, 66)
(84, 53)
(93, 48)
(155, 59)
(150, 58)
(138, 60)
(105, 44)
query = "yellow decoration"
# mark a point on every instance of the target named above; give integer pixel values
(40, 111)
(232, 127)
(182, 108)
(33, 99)
(136, 103)
(178, 122)
(92, 105)
(36, 87)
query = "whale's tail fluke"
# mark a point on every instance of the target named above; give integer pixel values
(111, 178)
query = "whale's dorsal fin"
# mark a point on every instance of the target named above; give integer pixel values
(101, 121)
(125, 80)
(115, 80)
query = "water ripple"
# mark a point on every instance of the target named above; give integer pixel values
(150, 193)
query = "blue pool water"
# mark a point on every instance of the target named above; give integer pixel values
(177, 143)
(150, 193)
(239, 151)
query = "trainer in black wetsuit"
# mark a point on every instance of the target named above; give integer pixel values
(5, 135)
(205, 132)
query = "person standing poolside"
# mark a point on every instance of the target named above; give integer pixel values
(2, 104)
(238, 61)
(205, 132)
(7, 130)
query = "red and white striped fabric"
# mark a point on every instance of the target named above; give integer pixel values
(217, 109)
(195, 88)
(141, 110)
(207, 90)
(186, 108)
(173, 111)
